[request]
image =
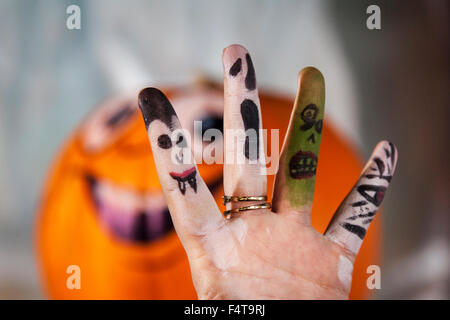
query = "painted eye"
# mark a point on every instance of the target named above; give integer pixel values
(119, 117)
(107, 123)
(181, 142)
(164, 141)
(212, 122)
(309, 113)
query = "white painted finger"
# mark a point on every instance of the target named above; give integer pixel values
(192, 207)
(353, 217)
(244, 167)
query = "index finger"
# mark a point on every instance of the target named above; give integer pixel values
(192, 207)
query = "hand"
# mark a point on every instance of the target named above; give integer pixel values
(264, 254)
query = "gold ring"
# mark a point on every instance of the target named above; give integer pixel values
(228, 213)
(227, 199)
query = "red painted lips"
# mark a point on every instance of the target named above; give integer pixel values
(303, 165)
(183, 174)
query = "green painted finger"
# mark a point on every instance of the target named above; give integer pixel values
(296, 177)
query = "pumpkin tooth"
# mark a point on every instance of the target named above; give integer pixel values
(128, 214)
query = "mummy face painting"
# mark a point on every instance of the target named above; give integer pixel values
(359, 208)
(369, 193)
(159, 116)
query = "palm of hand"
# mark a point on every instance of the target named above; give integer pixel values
(266, 255)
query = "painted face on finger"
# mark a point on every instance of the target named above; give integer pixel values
(303, 164)
(171, 140)
(304, 141)
(249, 109)
(369, 192)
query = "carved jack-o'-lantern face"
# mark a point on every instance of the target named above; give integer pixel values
(129, 212)
(103, 209)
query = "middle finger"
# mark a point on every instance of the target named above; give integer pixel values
(244, 168)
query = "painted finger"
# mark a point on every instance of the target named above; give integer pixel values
(192, 207)
(353, 217)
(296, 177)
(244, 167)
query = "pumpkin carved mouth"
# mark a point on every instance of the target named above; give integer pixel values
(127, 214)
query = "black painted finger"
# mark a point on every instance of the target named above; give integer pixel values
(353, 217)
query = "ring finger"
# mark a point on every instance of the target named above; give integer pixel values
(296, 177)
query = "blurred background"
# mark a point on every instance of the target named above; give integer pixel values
(389, 84)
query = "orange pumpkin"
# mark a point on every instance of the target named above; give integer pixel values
(102, 208)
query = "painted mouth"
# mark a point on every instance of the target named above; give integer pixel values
(185, 176)
(127, 214)
(303, 165)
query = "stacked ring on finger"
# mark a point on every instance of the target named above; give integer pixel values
(227, 199)
(265, 205)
